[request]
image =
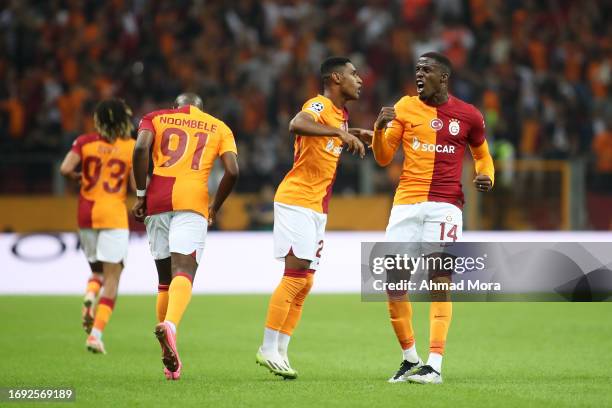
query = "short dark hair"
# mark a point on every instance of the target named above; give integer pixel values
(189, 98)
(332, 64)
(440, 59)
(113, 119)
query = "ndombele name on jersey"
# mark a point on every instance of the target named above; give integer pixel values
(190, 123)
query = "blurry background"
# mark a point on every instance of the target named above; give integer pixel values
(540, 71)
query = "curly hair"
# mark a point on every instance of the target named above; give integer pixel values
(113, 119)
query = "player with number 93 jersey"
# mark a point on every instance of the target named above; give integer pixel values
(105, 158)
(105, 171)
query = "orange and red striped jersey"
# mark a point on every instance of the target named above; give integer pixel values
(309, 182)
(187, 142)
(105, 172)
(434, 139)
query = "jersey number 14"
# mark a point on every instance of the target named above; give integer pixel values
(452, 232)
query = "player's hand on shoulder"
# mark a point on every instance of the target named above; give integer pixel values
(386, 115)
(483, 183)
(140, 209)
(364, 135)
(353, 144)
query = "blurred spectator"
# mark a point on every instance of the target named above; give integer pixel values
(261, 212)
(599, 199)
(602, 150)
(539, 71)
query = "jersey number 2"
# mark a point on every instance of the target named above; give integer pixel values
(318, 254)
(176, 154)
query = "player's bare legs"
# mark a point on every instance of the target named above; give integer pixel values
(112, 273)
(183, 268)
(284, 313)
(293, 262)
(94, 284)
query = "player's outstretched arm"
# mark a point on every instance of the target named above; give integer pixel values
(141, 166)
(230, 176)
(382, 149)
(483, 163)
(304, 124)
(69, 165)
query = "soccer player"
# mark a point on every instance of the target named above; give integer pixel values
(301, 201)
(106, 168)
(434, 129)
(186, 141)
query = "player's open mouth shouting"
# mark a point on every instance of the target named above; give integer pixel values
(420, 86)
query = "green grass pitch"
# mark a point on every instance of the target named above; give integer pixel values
(498, 354)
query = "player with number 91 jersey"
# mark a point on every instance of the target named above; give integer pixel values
(105, 174)
(184, 142)
(187, 142)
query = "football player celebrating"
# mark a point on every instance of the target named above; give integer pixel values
(434, 128)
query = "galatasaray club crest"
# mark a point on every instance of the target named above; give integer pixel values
(436, 124)
(453, 127)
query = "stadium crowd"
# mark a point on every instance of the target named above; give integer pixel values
(539, 70)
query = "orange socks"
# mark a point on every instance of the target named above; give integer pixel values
(440, 314)
(162, 302)
(295, 310)
(93, 286)
(292, 283)
(179, 295)
(103, 314)
(400, 312)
